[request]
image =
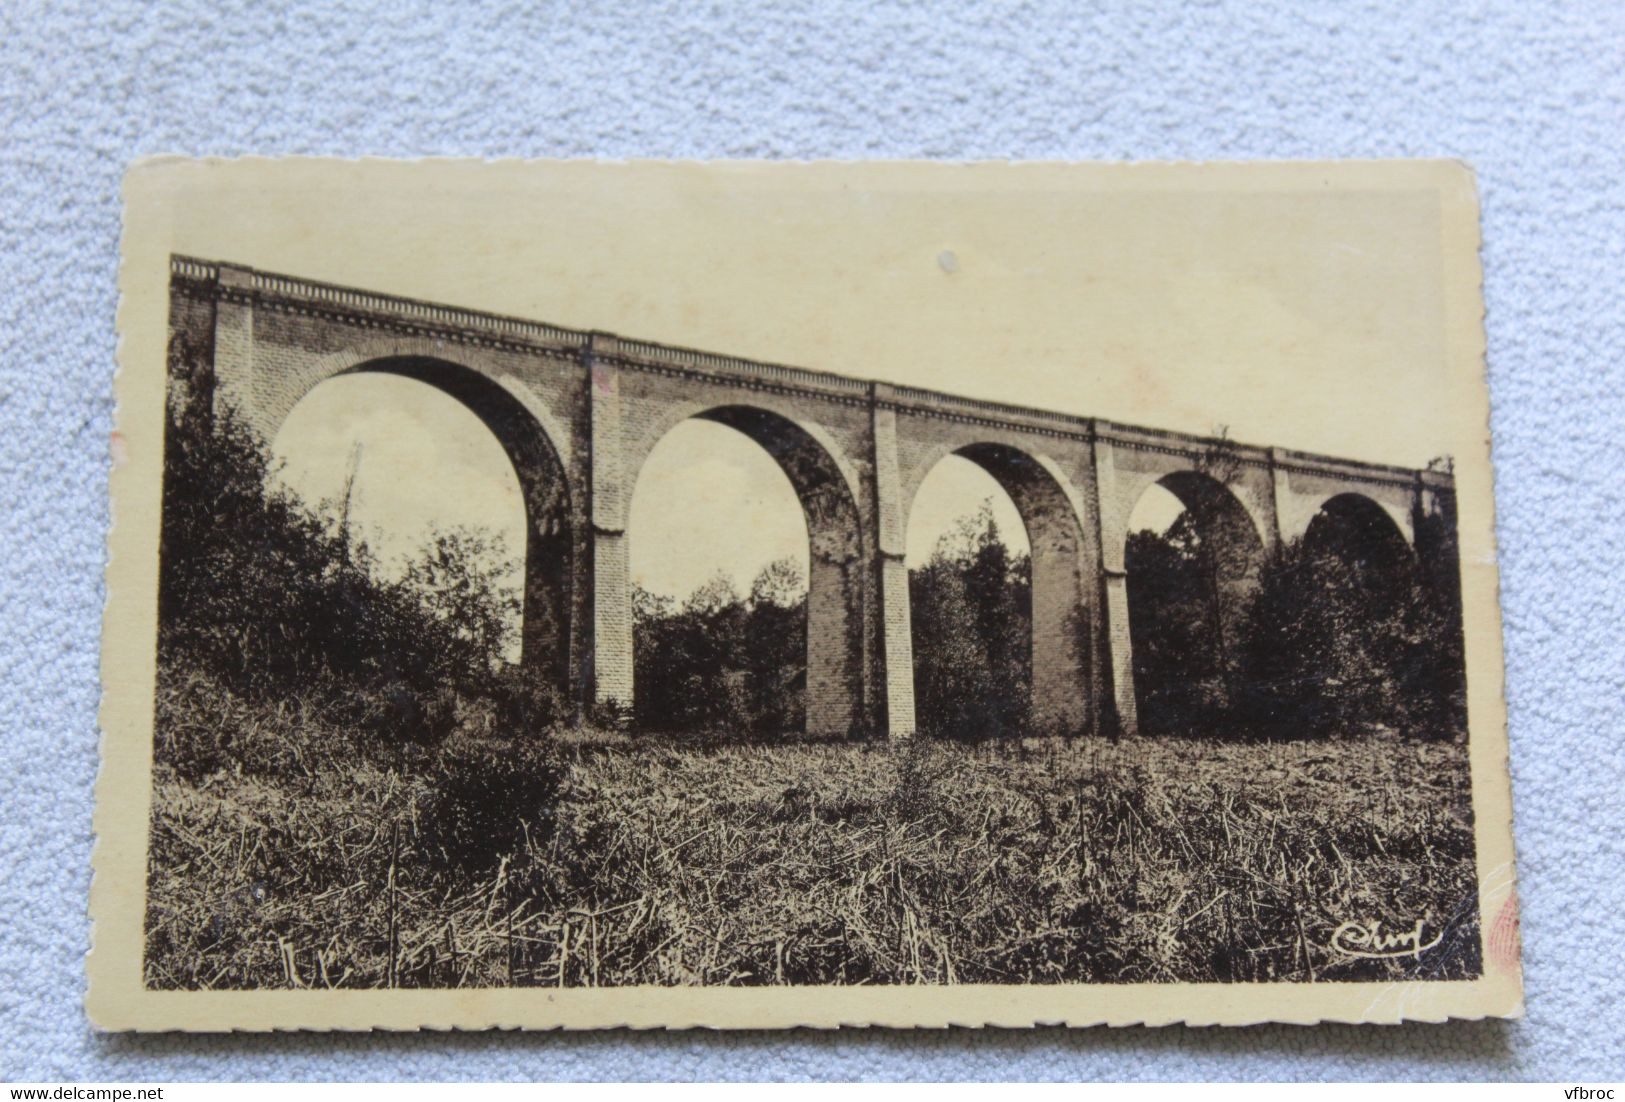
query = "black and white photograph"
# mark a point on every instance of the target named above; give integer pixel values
(803, 595)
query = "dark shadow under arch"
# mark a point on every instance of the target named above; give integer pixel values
(1361, 533)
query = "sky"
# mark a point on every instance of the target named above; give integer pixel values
(1290, 303)
(704, 484)
(423, 462)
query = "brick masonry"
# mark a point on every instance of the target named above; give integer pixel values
(579, 412)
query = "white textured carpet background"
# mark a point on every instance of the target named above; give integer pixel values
(1530, 93)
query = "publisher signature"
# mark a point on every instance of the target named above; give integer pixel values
(1370, 940)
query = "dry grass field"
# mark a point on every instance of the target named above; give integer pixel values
(287, 851)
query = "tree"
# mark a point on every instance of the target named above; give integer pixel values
(774, 654)
(713, 597)
(687, 664)
(268, 598)
(1189, 592)
(1218, 536)
(723, 664)
(1177, 675)
(466, 578)
(1348, 633)
(779, 584)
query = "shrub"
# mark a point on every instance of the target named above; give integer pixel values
(610, 715)
(526, 703)
(400, 713)
(487, 797)
(720, 663)
(271, 602)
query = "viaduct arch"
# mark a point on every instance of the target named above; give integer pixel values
(835, 592)
(578, 412)
(1352, 523)
(1233, 542)
(1051, 512)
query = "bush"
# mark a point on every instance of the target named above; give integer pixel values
(610, 715)
(270, 601)
(487, 797)
(400, 713)
(526, 703)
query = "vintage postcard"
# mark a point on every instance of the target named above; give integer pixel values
(764, 595)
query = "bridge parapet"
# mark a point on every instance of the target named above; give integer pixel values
(934, 403)
(1349, 470)
(395, 311)
(647, 355)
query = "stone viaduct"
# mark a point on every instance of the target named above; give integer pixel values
(578, 412)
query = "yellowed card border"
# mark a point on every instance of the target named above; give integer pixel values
(116, 998)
